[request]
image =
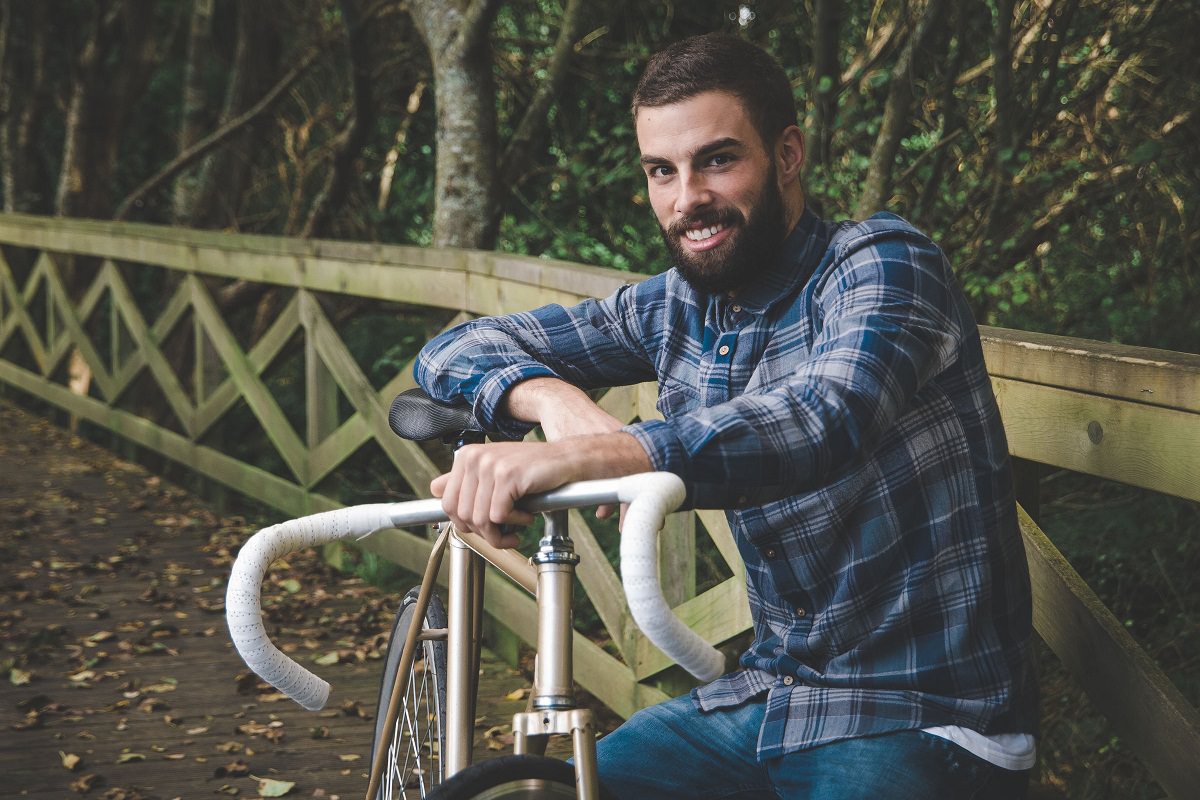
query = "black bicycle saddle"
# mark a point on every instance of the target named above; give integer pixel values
(417, 416)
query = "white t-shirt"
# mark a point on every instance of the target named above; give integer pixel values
(1015, 751)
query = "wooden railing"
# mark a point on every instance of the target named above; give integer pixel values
(1127, 414)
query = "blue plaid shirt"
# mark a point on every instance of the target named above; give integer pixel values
(839, 409)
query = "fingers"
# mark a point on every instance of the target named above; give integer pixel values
(479, 494)
(607, 510)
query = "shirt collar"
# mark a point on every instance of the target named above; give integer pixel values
(799, 257)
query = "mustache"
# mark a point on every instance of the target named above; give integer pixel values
(718, 216)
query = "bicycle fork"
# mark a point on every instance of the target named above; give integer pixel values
(552, 707)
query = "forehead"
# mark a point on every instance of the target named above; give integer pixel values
(673, 130)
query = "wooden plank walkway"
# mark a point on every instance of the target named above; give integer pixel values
(118, 679)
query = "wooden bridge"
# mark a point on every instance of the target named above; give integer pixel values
(145, 331)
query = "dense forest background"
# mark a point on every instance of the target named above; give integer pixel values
(1051, 146)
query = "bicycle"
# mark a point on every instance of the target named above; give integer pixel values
(424, 727)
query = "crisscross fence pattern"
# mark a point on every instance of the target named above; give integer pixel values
(128, 326)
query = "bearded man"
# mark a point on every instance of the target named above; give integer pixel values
(824, 383)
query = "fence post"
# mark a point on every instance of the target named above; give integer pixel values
(321, 418)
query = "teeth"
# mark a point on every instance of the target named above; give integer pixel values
(703, 233)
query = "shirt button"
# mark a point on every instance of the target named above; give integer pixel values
(737, 309)
(800, 612)
(770, 552)
(788, 680)
(724, 350)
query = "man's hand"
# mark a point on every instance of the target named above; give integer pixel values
(481, 490)
(563, 411)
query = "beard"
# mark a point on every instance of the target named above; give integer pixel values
(749, 252)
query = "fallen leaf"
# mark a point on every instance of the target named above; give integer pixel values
(517, 694)
(159, 688)
(269, 787)
(126, 758)
(234, 769)
(497, 738)
(349, 757)
(19, 677)
(291, 585)
(328, 659)
(70, 761)
(152, 704)
(85, 783)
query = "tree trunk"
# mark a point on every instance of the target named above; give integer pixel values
(465, 194)
(222, 177)
(952, 119)
(359, 125)
(111, 74)
(1004, 130)
(193, 114)
(877, 187)
(827, 26)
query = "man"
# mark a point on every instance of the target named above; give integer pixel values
(825, 383)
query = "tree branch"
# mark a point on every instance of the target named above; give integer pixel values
(533, 123)
(878, 184)
(350, 141)
(214, 139)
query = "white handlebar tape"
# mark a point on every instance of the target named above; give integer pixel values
(242, 610)
(651, 497)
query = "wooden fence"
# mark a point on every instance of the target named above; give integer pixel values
(67, 291)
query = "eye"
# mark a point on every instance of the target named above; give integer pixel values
(659, 171)
(720, 160)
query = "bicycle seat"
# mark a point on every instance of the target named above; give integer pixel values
(417, 416)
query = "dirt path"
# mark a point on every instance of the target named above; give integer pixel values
(118, 679)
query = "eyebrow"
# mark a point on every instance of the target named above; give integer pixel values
(703, 150)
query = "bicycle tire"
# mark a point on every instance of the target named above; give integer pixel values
(414, 766)
(524, 777)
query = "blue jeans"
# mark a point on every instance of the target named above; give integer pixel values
(672, 750)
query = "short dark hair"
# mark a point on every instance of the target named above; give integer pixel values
(722, 63)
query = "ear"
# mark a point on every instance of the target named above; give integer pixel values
(789, 155)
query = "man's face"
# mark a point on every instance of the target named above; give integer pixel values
(714, 189)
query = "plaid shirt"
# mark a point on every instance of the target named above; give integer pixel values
(841, 411)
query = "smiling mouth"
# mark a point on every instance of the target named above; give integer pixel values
(700, 234)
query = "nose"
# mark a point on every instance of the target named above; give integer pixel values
(693, 193)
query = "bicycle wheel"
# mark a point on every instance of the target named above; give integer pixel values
(414, 760)
(523, 777)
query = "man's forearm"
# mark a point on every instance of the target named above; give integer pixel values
(563, 410)
(531, 400)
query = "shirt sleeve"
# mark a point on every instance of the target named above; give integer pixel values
(886, 317)
(597, 343)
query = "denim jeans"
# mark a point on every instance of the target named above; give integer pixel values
(672, 750)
